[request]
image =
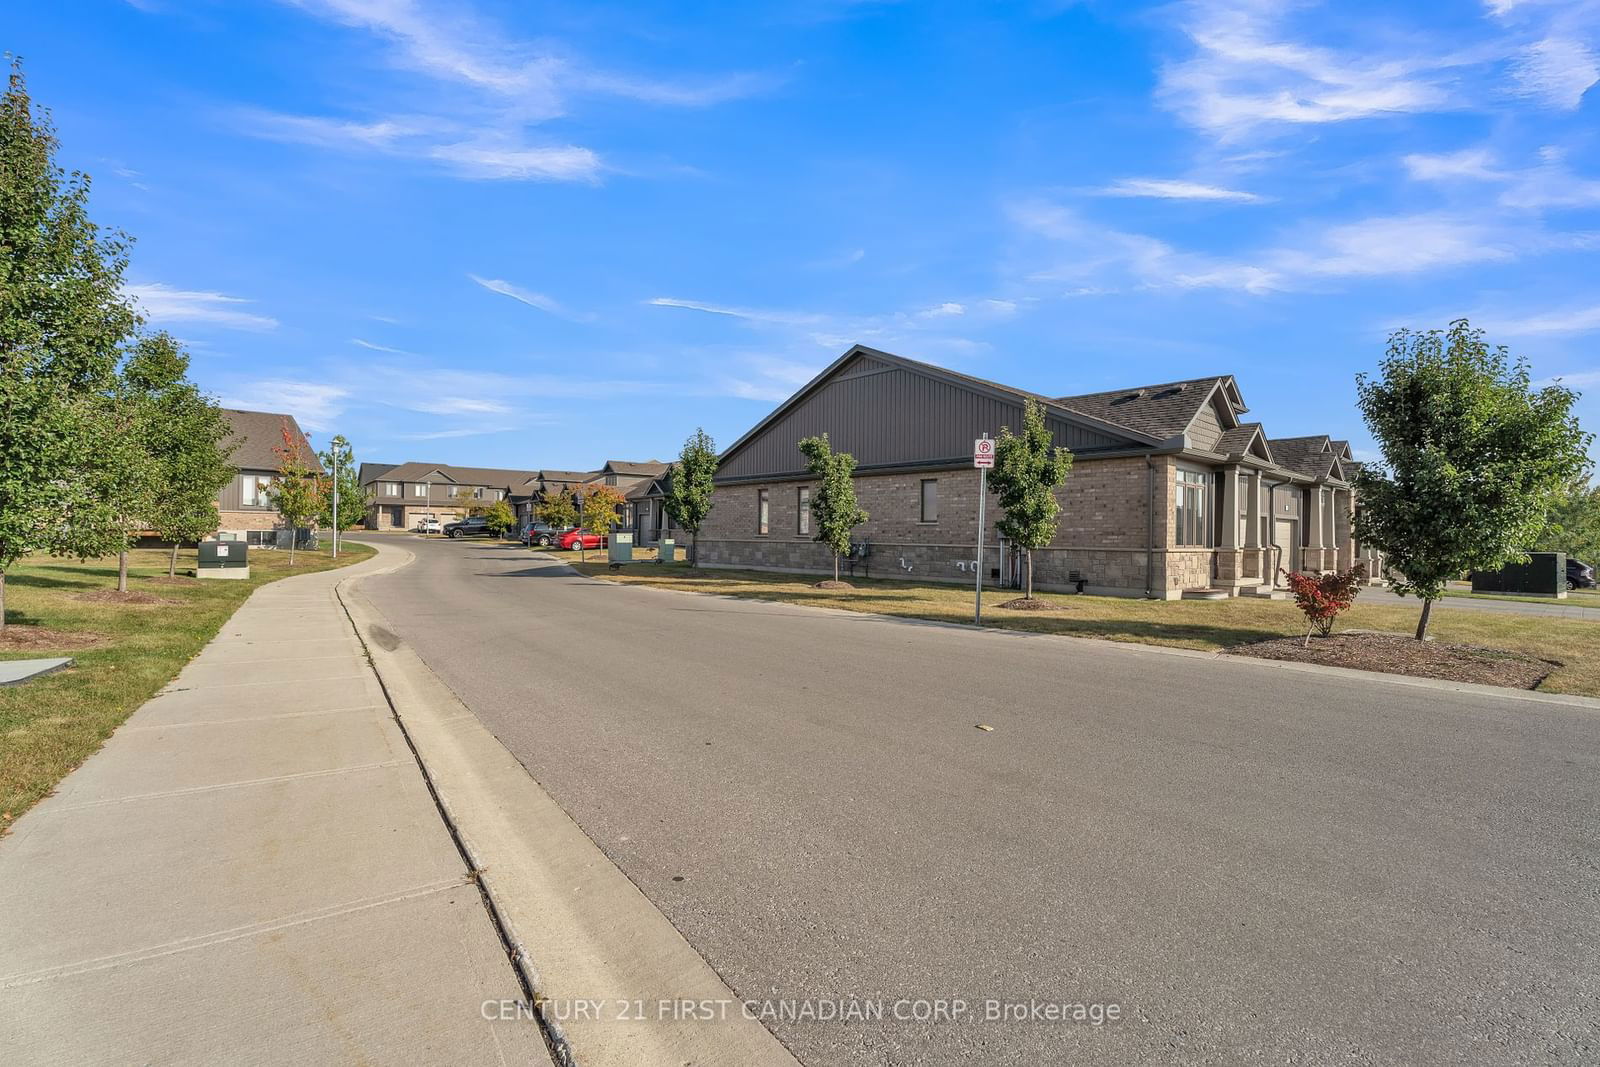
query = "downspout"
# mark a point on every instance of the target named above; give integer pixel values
(1150, 531)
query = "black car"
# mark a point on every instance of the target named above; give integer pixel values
(538, 534)
(473, 526)
(1579, 574)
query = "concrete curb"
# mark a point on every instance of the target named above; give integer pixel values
(1135, 647)
(579, 930)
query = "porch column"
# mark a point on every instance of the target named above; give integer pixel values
(1230, 508)
(1314, 528)
(1344, 531)
(1253, 567)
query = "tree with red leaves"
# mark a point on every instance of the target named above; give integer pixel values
(1323, 598)
(297, 491)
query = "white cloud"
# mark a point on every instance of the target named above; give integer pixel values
(519, 162)
(162, 303)
(1476, 164)
(1247, 72)
(1556, 71)
(314, 405)
(469, 431)
(379, 348)
(782, 318)
(1397, 245)
(1173, 189)
(1550, 184)
(1570, 320)
(1001, 307)
(515, 292)
(945, 310)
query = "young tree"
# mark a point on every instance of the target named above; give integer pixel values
(294, 492)
(1473, 457)
(689, 487)
(833, 501)
(339, 456)
(598, 508)
(63, 320)
(1028, 467)
(186, 437)
(559, 510)
(1323, 598)
(123, 473)
(499, 518)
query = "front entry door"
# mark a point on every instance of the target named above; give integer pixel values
(1286, 538)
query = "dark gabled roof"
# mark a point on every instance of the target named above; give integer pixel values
(1160, 411)
(493, 477)
(1342, 450)
(257, 433)
(1237, 441)
(649, 468)
(563, 476)
(1312, 456)
(367, 473)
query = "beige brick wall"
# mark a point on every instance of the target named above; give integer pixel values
(242, 521)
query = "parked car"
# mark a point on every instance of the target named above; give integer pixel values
(539, 534)
(574, 539)
(429, 525)
(1580, 575)
(472, 526)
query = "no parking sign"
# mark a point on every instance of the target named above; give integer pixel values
(983, 452)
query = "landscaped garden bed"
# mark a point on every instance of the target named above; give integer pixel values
(1403, 654)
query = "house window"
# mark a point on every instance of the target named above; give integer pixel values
(253, 490)
(419, 490)
(1191, 526)
(763, 511)
(391, 488)
(802, 502)
(930, 500)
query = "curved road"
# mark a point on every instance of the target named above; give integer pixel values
(1254, 864)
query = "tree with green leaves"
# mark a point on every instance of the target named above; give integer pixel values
(1573, 523)
(689, 487)
(598, 508)
(186, 436)
(294, 492)
(1473, 458)
(123, 473)
(63, 323)
(559, 510)
(833, 501)
(1028, 469)
(500, 518)
(353, 502)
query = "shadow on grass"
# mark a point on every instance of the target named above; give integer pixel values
(34, 580)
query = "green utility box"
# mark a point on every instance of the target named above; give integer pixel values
(1545, 574)
(620, 547)
(223, 559)
(668, 551)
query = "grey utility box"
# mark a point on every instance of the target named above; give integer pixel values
(1545, 574)
(621, 547)
(223, 559)
(667, 552)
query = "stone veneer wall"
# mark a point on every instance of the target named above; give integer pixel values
(244, 521)
(1102, 530)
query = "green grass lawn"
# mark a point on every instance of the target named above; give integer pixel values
(51, 725)
(1210, 625)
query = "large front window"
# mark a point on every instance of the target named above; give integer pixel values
(1190, 494)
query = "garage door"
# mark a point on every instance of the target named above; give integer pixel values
(1285, 535)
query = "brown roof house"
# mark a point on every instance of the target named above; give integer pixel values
(402, 495)
(244, 508)
(1171, 492)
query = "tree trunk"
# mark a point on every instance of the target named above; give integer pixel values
(694, 548)
(2, 601)
(293, 536)
(172, 564)
(836, 566)
(1029, 595)
(122, 571)
(1422, 623)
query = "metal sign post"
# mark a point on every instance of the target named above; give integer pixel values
(335, 498)
(983, 459)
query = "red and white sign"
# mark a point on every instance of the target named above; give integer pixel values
(983, 452)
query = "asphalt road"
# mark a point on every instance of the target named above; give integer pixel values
(1257, 865)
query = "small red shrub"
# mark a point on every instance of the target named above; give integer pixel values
(1323, 597)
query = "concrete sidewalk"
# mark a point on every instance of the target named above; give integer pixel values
(252, 870)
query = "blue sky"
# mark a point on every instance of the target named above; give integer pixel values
(520, 234)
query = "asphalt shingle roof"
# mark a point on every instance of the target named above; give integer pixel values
(627, 468)
(1234, 442)
(1159, 411)
(1303, 455)
(493, 477)
(257, 433)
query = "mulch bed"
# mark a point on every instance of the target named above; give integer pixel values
(831, 584)
(1399, 654)
(132, 596)
(19, 638)
(1023, 603)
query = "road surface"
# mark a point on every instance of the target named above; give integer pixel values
(1253, 864)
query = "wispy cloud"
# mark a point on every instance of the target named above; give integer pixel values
(163, 303)
(1556, 71)
(947, 309)
(314, 405)
(784, 318)
(465, 431)
(1563, 321)
(1550, 183)
(1173, 189)
(516, 292)
(379, 348)
(1474, 164)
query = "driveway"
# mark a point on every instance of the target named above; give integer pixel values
(1253, 864)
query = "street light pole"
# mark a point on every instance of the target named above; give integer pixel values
(336, 497)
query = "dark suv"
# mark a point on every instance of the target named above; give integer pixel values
(1579, 574)
(472, 526)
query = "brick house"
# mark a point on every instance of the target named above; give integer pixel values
(400, 495)
(1171, 494)
(244, 509)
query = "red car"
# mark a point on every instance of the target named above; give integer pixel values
(571, 540)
